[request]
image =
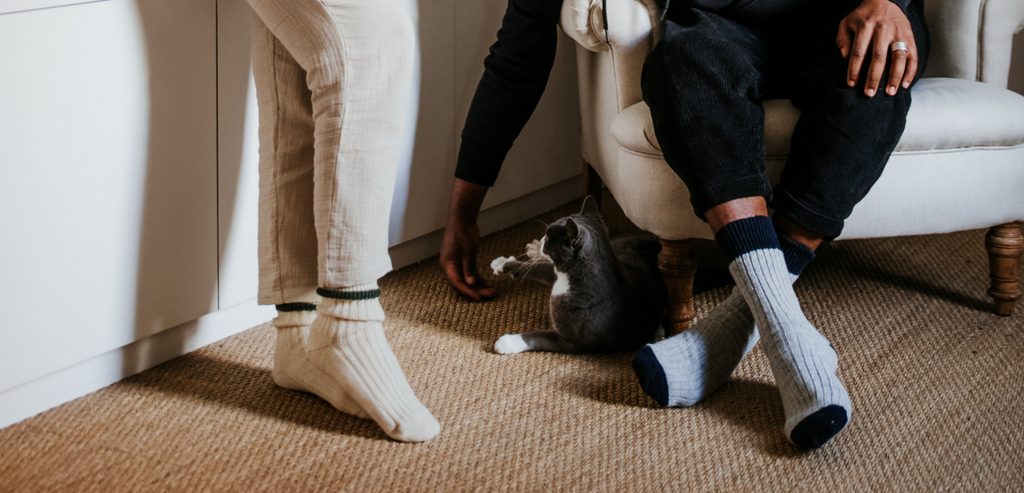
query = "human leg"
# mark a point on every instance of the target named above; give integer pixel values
(843, 138)
(287, 237)
(684, 369)
(357, 57)
(703, 85)
(706, 119)
(839, 148)
(804, 364)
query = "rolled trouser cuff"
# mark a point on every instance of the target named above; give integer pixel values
(828, 227)
(740, 188)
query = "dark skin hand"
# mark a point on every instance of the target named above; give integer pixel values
(462, 241)
(871, 29)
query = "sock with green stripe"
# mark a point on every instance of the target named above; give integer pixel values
(684, 369)
(291, 368)
(347, 356)
(804, 364)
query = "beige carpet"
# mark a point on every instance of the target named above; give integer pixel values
(935, 380)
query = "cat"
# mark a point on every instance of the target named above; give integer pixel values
(606, 296)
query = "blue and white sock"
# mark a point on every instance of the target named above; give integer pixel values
(684, 369)
(803, 362)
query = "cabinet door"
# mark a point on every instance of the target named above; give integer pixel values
(238, 155)
(108, 226)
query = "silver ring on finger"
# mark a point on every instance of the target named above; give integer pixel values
(898, 46)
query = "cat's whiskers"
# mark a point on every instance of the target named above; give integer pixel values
(530, 264)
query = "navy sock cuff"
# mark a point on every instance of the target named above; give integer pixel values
(797, 254)
(746, 235)
(296, 307)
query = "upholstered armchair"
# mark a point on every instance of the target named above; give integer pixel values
(958, 166)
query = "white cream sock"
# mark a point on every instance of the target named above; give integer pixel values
(294, 372)
(348, 350)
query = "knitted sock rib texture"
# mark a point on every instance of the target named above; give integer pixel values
(684, 369)
(803, 362)
(347, 342)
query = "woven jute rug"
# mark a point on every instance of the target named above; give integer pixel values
(935, 380)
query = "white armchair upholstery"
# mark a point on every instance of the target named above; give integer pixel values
(959, 164)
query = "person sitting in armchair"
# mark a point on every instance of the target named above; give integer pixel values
(848, 65)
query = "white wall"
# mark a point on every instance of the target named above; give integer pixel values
(454, 37)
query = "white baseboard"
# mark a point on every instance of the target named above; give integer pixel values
(494, 219)
(36, 396)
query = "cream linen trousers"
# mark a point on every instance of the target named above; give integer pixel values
(332, 85)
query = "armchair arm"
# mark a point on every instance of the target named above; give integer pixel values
(972, 39)
(630, 23)
(632, 34)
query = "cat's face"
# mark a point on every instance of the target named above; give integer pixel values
(567, 237)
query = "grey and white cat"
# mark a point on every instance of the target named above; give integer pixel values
(606, 296)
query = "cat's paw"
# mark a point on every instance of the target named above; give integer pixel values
(510, 344)
(533, 249)
(498, 264)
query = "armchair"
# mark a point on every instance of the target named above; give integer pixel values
(959, 165)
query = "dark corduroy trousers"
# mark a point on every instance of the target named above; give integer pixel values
(705, 82)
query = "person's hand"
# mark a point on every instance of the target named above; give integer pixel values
(873, 27)
(462, 241)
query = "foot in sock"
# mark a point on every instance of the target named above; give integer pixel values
(291, 369)
(684, 369)
(346, 354)
(804, 364)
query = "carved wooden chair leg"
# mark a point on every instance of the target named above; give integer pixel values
(1004, 244)
(592, 182)
(678, 264)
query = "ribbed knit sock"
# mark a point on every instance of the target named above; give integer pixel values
(684, 369)
(291, 368)
(347, 355)
(803, 362)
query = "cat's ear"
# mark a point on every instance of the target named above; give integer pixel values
(590, 207)
(572, 230)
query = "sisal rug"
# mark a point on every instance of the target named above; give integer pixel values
(935, 379)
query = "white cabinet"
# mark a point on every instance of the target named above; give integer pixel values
(128, 177)
(108, 223)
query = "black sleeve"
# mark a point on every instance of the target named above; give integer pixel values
(902, 4)
(515, 74)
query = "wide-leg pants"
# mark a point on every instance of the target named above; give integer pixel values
(332, 84)
(705, 82)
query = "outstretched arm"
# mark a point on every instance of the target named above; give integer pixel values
(462, 240)
(515, 74)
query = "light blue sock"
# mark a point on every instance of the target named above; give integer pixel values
(803, 362)
(684, 369)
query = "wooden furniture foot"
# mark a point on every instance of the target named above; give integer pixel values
(678, 264)
(592, 182)
(1004, 244)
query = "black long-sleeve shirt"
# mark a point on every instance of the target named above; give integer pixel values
(517, 69)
